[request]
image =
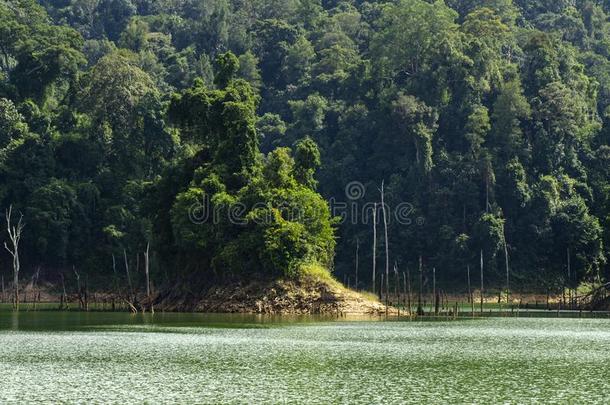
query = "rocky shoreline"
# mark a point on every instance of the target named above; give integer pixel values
(307, 295)
(299, 297)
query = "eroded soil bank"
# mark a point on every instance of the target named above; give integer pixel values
(305, 296)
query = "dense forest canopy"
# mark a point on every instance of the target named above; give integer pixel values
(490, 119)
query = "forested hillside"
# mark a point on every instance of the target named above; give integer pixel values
(488, 121)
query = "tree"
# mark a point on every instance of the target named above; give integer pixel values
(477, 128)
(112, 89)
(248, 69)
(298, 61)
(225, 122)
(307, 161)
(12, 126)
(227, 68)
(271, 129)
(51, 210)
(273, 39)
(114, 16)
(510, 110)
(265, 218)
(135, 35)
(308, 114)
(429, 26)
(506, 9)
(386, 242)
(37, 54)
(565, 121)
(14, 234)
(418, 122)
(580, 233)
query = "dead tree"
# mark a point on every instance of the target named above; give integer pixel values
(404, 292)
(79, 291)
(86, 293)
(386, 243)
(147, 271)
(63, 304)
(115, 283)
(481, 280)
(374, 248)
(570, 276)
(435, 294)
(14, 233)
(129, 285)
(507, 265)
(35, 288)
(396, 283)
(408, 292)
(470, 297)
(357, 260)
(420, 308)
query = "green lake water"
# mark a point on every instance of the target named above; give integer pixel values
(58, 357)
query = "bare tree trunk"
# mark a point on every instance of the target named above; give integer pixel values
(35, 286)
(115, 282)
(569, 275)
(16, 267)
(397, 283)
(147, 270)
(14, 233)
(64, 297)
(507, 265)
(357, 260)
(386, 242)
(420, 309)
(435, 295)
(481, 280)
(132, 308)
(130, 292)
(86, 294)
(405, 293)
(470, 297)
(81, 303)
(408, 277)
(3, 291)
(375, 248)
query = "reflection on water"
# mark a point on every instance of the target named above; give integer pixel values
(187, 358)
(75, 320)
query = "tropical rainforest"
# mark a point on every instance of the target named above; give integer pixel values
(195, 129)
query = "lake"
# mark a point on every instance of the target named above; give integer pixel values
(236, 359)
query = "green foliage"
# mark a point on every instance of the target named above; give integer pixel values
(114, 86)
(488, 233)
(265, 222)
(228, 66)
(36, 55)
(490, 120)
(12, 127)
(419, 122)
(307, 161)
